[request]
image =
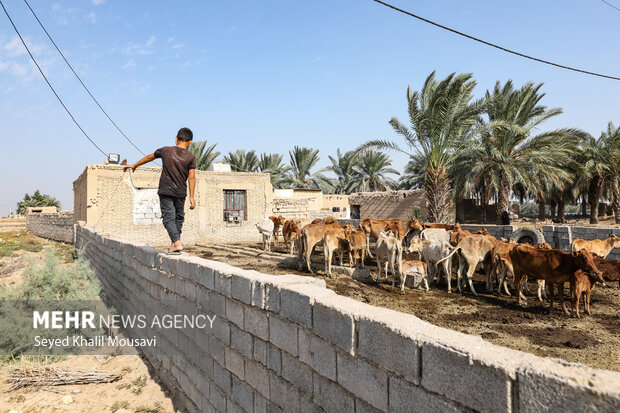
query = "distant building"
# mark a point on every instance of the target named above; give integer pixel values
(388, 204)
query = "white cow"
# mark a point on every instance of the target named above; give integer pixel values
(265, 227)
(435, 235)
(389, 249)
(433, 252)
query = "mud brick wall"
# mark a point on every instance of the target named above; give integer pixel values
(287, 343)
(57, 226)
(498, 231)
(291, 208)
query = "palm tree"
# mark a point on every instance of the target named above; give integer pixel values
(242, 161)
(343, 167)
(272, 164)
(36, 200)
(204, 155)
(442, 117)
(370, 172)
(601, 168)
(508, 154)
(301, 176)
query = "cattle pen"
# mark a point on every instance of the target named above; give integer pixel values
(593, 340)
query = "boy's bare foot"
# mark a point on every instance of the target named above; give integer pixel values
(176, 246)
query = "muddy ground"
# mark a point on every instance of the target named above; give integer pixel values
(592, 340)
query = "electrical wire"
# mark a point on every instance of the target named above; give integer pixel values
(81, 82)
(494, 45)
(47, 81)
(610, 5)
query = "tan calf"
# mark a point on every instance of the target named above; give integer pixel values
(412, 267)
(600, 247)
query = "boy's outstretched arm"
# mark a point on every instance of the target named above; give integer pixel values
(191, 179)
(146, 159)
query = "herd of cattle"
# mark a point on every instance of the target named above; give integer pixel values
(439, 244)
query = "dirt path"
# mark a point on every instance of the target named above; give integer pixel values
(592, 340)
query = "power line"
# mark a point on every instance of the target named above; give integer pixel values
(610, 5)
(78, 77)
(47, 81)
(494, 45)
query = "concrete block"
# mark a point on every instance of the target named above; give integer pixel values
(241, 341)
(283, 334)
(235, 363)
(257, 322)
(297, 373)
(217, 350)
(257, 376)
(458, 376)
(243, 395)
(216, 303)
(406, 396)
(284, 395)
(218, 398)
(221, 378)
(260, 404)
(241, 286)
(317, 353)
(332, 321)
(272, 298)
(234, 312)
(374, 340)
(296, 302)
(331, 397)
(260, 351)
(221, 330)
(363, 380)
(551, 385)
(274, 359)
(308, 406)
(222, 283)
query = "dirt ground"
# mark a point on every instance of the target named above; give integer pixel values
(592, 340)
(135, 392)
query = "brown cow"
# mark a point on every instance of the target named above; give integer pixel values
(472, 251)
(458, 234)
(553, 266)
(372, 228)
(311, 235)
(413, 267)
(600, 247)
(447, 227)
(609, 268)
(334, 242)
(277, 224)
(330, 220)
(357, 245)
(581, 284)
(291, 230)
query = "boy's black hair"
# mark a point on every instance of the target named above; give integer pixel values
(185, 135)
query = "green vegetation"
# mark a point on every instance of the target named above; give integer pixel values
(13, 241)
(491, 149)
(138, 384)
(155, 408)
(117, 405)
(204, 155)
(45, 282)
(36, 200)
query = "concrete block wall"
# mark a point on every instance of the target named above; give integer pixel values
(287, 343)
(562, 236)
(57, 226)
(498, 231)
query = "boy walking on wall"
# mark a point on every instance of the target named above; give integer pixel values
(179, 167)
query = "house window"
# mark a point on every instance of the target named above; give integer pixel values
(235, 206)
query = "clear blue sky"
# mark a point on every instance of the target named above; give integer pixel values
(269, 74)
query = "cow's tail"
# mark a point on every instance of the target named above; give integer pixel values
(447, 257)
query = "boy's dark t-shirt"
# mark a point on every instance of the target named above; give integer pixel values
(176, 165)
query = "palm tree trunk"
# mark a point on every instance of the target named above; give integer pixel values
(584, 206)
(561, 208)
(594, 195)
(438, 197)
(553, 204)
(503, 199)
(541, 209)
(615, 199)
